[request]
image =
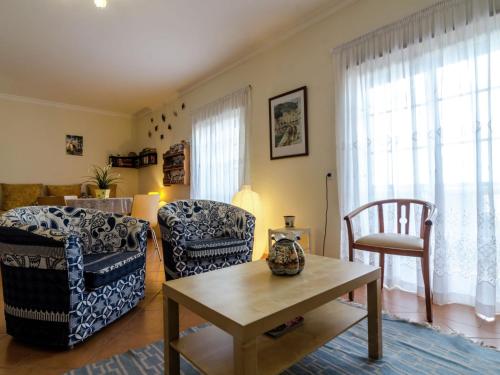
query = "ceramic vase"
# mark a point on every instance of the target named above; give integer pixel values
(286, 257)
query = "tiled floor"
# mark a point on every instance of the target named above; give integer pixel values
(143, 325)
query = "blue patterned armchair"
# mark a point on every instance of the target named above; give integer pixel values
(68, 272)
(201, 235)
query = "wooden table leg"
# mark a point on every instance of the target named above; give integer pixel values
(374, 320)
(171, 332)
(245, 357)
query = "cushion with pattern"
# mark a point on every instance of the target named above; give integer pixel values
(104, 268)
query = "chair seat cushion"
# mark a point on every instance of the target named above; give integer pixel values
(104, 268)
(392, 240)
(215, 247)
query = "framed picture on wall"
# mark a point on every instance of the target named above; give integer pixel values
(74, 145)
(288, 124)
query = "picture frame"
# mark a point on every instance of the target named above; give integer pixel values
(288, 124)
(74, 145)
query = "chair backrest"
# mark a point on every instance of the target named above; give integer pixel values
(51, 201)
(146, 207)
(69, 197)
(204, 218)
(98, 233)
(403, 212)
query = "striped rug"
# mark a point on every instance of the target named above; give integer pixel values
(409, 348)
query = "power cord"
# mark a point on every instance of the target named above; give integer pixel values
(328, 175)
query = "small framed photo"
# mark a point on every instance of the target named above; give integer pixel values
(74, 145)
(288, 124)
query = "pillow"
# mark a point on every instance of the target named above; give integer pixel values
(19, 195)
(91, 190)
(62, 190)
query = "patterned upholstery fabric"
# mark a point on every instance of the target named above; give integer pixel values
(42, 251)
(194, 222)
(215, 247)
(101, 269)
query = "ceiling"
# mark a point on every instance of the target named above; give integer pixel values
(134, 53)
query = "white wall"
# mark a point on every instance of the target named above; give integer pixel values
(296, 185)
(32, 144)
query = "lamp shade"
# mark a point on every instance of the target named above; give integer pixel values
(250, 201)
(100, 3)
(247, 199)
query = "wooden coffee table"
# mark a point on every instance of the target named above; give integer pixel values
(244, 301)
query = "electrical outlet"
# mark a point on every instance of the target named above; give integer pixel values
(329, 174)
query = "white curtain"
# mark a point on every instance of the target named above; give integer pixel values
(418, 115)
(219, 160)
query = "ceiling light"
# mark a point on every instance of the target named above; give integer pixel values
(100, 3)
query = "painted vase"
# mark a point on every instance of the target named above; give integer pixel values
(286, 257)
(102, 193)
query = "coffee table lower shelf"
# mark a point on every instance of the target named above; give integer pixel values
(211, 349)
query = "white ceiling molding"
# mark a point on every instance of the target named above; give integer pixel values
(315, 18)
(72, 107)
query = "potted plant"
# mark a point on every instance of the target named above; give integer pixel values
(103, 178)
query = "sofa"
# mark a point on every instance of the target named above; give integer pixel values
(202, 235)
(20, 195)
(68, 272)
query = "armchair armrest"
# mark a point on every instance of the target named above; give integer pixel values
(173, 231)
(242, 226)
(431, 216)
(348, 219)
(35, 247)
(358, 210)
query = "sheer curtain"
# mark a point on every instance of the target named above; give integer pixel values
(418, 115)
(219, 158)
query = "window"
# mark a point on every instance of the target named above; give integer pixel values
(219, 161)
(417, 116)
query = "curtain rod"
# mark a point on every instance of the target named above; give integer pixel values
(396, 24)
(249, 86)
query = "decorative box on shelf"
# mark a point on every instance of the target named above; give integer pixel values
(146, 157)
(176, 165)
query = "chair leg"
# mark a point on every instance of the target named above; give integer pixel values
(381, 262)
(351, 259)
(155, 241)
(427, 286)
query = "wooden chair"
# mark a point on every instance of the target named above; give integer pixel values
(400, 243)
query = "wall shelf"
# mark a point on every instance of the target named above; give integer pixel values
(144, 159)
(176, 165)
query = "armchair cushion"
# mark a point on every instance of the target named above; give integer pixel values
(215, 247)
(392, 240)
(102, 269)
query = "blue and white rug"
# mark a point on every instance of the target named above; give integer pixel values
(409, 348)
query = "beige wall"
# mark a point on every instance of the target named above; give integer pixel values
(32, 144)
(293, 186)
